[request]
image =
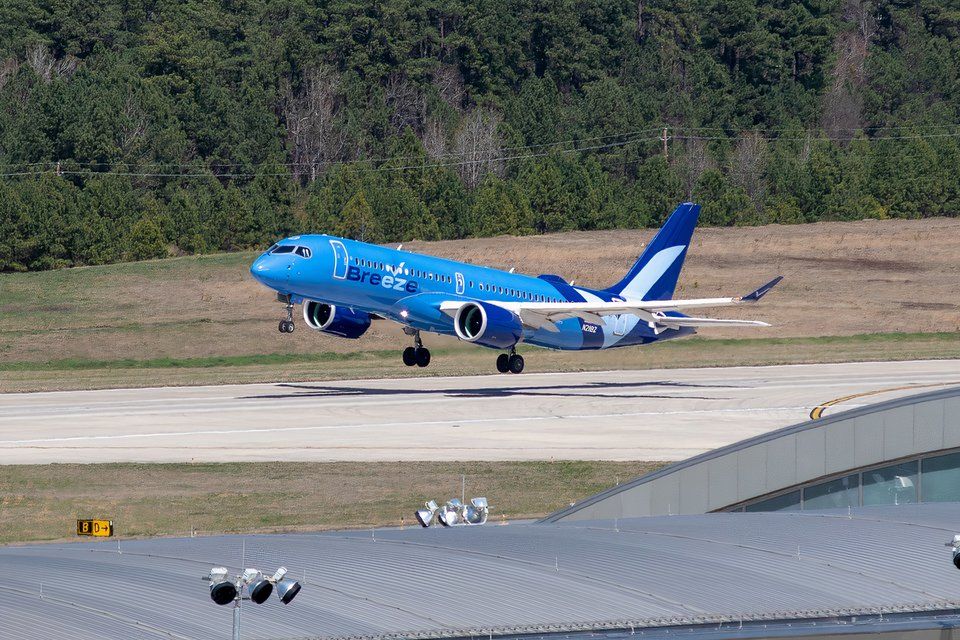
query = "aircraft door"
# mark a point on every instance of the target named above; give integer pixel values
(340, 260)
(620, 325)
(460, 284)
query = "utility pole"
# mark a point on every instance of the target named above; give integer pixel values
(664, 138)
(236, 617)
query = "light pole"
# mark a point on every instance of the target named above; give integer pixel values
(250, 585)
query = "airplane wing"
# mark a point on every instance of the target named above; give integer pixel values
(544, 314)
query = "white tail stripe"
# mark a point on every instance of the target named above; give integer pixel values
(651, 272)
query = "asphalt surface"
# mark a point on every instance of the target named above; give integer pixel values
(610, 415)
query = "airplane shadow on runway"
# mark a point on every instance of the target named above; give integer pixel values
(588, 390)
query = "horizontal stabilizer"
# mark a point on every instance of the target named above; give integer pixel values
(753, 296)
(683, 321)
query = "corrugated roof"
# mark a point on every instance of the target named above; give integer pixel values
(521, 578)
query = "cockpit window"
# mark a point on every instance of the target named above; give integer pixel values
(287, 248)
(303, 252)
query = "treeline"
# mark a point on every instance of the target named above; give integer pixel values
(146, 128)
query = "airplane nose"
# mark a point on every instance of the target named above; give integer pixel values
(258, 268)
(266, 270)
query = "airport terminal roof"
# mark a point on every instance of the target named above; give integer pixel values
(517, 579)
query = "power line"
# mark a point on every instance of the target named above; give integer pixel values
(194, 170)
(835, 138)
(93, 163)
(475, 161)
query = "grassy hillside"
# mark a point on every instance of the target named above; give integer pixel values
(862, 290)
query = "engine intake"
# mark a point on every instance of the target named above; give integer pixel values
(488, 324)
(338, 321)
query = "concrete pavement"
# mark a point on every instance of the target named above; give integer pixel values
(611, 415)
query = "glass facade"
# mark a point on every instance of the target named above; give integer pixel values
(941, 478)
(896, 484)
(785, 502)
(840, 493)
(934, 478)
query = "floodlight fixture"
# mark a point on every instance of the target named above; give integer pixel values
(250, 585)
(425, 516)
(454, 513)
(222, 589)
(449, 514)
(476, 512)
(258, 587)
(955, 543)
(287, 590)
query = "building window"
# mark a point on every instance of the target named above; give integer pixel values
(896, 484)
(835, 494)
(786, 502)
(941, 478)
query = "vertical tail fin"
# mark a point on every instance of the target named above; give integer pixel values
(654, 275)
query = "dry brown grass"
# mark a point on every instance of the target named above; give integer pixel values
(842, 278)
(43, 502)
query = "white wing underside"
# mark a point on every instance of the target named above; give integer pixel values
(537, 315)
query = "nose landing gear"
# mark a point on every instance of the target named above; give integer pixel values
(286, 325)
(510, 362)
(418, 354)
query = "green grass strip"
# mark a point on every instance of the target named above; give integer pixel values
(78, 364)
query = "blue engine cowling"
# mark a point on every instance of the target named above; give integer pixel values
(339, 321)
(488, 325)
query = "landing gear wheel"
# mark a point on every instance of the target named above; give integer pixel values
(516, 363)
(503, 363)
(423, 357)
(286, 325)
(409, 356)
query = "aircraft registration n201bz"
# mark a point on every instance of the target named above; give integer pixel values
(344, 285)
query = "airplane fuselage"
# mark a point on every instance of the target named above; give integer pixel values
(406, 287)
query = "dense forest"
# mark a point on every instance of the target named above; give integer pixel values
(132, 129)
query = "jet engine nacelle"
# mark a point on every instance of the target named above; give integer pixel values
(339, 321)
(488, 325)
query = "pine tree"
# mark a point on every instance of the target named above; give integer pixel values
(356, 221)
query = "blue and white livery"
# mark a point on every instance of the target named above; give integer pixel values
(344, 285)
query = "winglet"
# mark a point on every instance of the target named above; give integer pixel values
(753, 296)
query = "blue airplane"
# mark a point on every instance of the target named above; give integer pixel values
(344, 285)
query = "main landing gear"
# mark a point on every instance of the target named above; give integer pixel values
(418, 354)
(286, 325)
(510, 362)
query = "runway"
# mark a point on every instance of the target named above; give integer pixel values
(610, 415)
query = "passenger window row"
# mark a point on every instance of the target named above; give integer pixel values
(439, 277)
(416, 273)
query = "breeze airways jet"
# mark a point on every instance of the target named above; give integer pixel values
(344, 285)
